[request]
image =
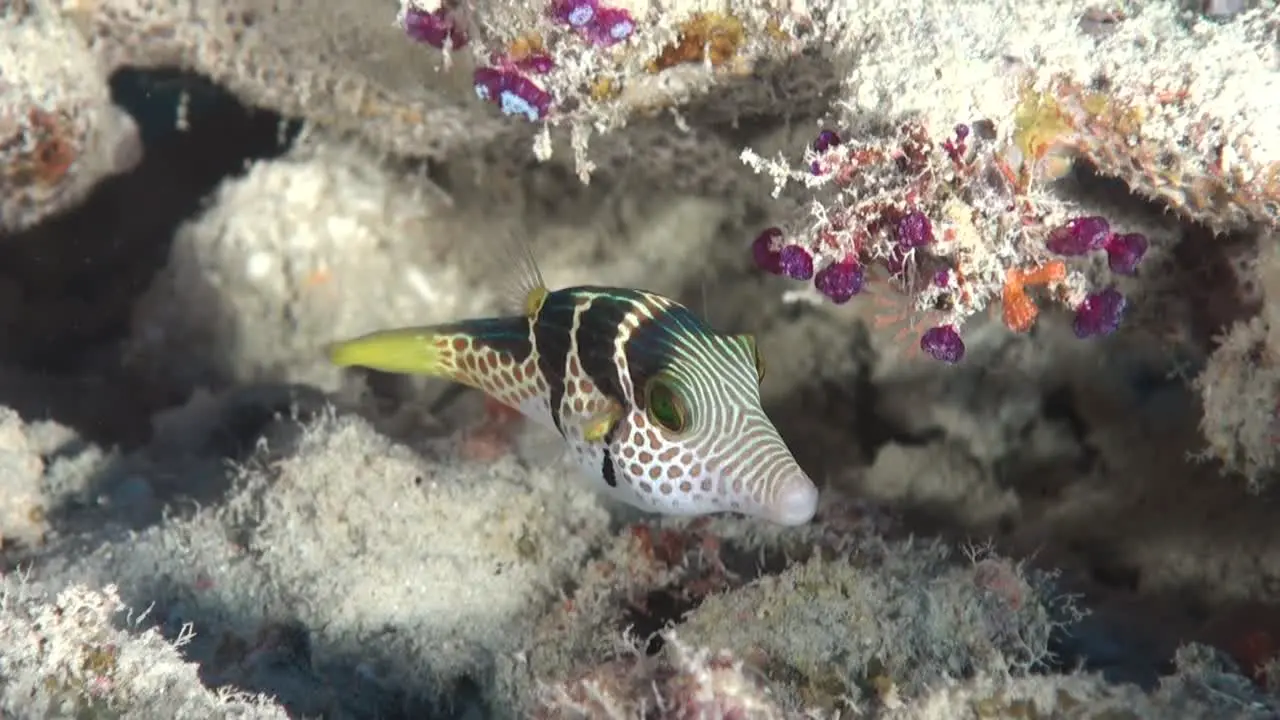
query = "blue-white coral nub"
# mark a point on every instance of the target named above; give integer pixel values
(512, 104)
(575, 13)
(600, 25)
(512, 92)
(611, 25)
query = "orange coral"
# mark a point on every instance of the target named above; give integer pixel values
(53, 153)
(1019, 309)
(704, 36)
(525, 46)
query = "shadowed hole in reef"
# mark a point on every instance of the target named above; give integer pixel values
(79, 274)
(655, 612)
(664, 607)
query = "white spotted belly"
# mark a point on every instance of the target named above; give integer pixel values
(590, 459)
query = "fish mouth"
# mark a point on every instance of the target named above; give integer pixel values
(796, 502)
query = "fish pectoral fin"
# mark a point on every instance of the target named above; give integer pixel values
(598, 426)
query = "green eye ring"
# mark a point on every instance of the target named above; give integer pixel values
(664, 406)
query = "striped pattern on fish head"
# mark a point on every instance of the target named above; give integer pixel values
(663, 410)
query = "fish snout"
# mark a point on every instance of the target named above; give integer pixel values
(796, 500)
(772, 484)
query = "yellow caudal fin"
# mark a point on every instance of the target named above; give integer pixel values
(492, 354)
(410, 351)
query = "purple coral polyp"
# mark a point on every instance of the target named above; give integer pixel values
(1079, 236)
(914, 230)
(574, 13)
(1100, 314)
(840, 281)
(796, 262)
(600, 24)
(826, 140)
(1084, 235)
(610, 26)
(764, 250)
(438, 29)
(513, 93)
(943, 343)
(1124, 252)
(488, 83)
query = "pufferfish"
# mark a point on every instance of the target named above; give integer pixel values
(660, 411)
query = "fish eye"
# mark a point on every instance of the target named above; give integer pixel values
(665, 407)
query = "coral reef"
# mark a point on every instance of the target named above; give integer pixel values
(301, 580)
(64, 656)
(60, 134)
(1070, 209)
(1239, 383)
(296, 239)
(23, 511)
(958, 211)
(344, 66)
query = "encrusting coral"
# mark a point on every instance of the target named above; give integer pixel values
(958, 211)
(60, 134)
(304, 566)
(297, 239)
(937, 140)
(65, 656)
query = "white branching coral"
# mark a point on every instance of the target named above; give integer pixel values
(937, 166)
(64, 656)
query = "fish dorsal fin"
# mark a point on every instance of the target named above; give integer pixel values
(748, 344)
(520, 286)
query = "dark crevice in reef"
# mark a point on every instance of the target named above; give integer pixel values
(77, 276)
(735, 566)
(655, 612)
